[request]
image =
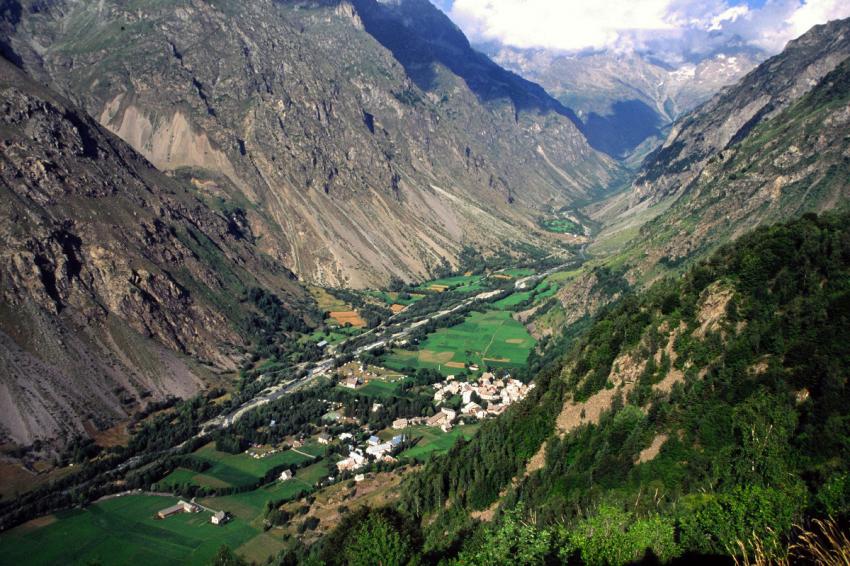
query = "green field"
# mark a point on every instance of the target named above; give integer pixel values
(492, 338)
(182, 476)
(234, 469)
(123, 530)
(465, 283)
(335, 335)
(560, 226)
(519, 272)
(434, 441)
(251, 504)
(564, 276)
(544, 291)
(393, 298)
(513, 299)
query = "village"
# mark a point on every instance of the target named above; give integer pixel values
(486, 397)
(348, 445)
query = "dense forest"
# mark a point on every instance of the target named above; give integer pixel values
(705, 416)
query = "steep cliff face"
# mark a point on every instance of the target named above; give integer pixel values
(118, 286)
(731, 115)
(354, 159)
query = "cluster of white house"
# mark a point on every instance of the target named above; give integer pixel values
(497, 393)
(359, 457)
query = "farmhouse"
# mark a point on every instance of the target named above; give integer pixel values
(355, 460)
(400, 423)
(471, 408)
(436, 420)
(285, 475)
(324, 438)
(219, 518)
(352, 382)
(379, 450)
(180, 507)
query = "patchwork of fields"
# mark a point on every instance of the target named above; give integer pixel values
(491, 338)
(250, 505)
(234, 470)
(340, 311)
(464, 283)
(122, 530)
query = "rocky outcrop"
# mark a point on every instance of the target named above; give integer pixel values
(117, 285)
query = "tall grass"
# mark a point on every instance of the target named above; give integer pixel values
(822, 543)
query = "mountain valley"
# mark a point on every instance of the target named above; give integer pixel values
(321, 282)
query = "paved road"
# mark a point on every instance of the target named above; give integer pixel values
(525, 281)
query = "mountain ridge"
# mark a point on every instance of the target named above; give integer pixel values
(312, 125)
(626, 101)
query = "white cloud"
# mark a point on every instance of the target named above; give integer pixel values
(730, 15)
(572, 25)
(559, 24)
(816, 12)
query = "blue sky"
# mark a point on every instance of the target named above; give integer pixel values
(682, 25)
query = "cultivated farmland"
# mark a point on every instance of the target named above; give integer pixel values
(464, 283)
(491, 338)
(122, 530)
(234, 470)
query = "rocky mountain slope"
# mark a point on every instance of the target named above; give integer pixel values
(729, 117)
(118, 286)
(768, 149)
(793, 163)
(771, 148)
(355, 155)
(625, 101)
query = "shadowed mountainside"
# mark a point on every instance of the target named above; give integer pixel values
(119, 286)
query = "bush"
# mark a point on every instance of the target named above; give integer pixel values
(715, 523)
(614, 536)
